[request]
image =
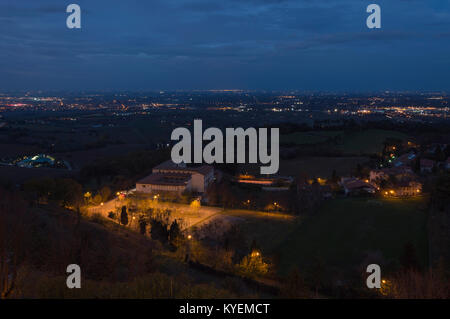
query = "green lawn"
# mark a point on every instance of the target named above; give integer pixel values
(320, 166)
(345, 229)
(313, 137)
(268, 230)
(355, 143)
(367, 142)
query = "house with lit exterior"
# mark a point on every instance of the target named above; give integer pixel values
(176, 178)
(408, 188)
(354, 186)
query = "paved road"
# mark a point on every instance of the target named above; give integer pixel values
(188, 216)
(183, 212)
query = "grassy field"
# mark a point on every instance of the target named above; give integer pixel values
(313, 137)
(358, 142)
(367, 142)
(320, 166)
(16, 150)
(346, 229)
(267, 229)
(151, 129)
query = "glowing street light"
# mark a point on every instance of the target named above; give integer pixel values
(255, 253)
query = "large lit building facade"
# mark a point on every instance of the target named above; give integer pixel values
(171, 177)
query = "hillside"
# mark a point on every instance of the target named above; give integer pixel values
(115, 262)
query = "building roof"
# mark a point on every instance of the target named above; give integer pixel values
(204, 170)
(409, 183)
(175, 179)
(171, 166)
(394, 170)
(354, 183)
(404, 159)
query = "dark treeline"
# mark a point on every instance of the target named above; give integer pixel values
(38, 243)
(122, 171)
(352, 125)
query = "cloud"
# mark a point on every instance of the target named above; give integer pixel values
(163, 35)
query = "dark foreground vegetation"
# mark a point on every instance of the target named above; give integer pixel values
(318, 251)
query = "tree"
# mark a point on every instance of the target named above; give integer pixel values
(124, 216)
(359, 170)
(14, 229)
(87, 197)
(142, 225)
(334, 176)
(195, 204)
(414, 284)
(316, 273)
(439, 155)
(64, 191)
(295, 286)
(254, 246)
(253, 265)
(67, 192)
(235, 239)
(159, 230)
(392, 180)
(409, 257)
(105, 193)
(97, 199)
(416, 165)
(40, 189)
(447, 151)
(175, 235)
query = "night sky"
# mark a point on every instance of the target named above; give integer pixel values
(320, 45)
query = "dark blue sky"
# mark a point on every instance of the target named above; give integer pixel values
(210, 44)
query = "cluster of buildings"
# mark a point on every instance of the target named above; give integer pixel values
(40, 160)
(396, 181)
(391, 181)
(401, 179)
(356, 186)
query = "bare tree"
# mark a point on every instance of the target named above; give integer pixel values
(12, 241)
